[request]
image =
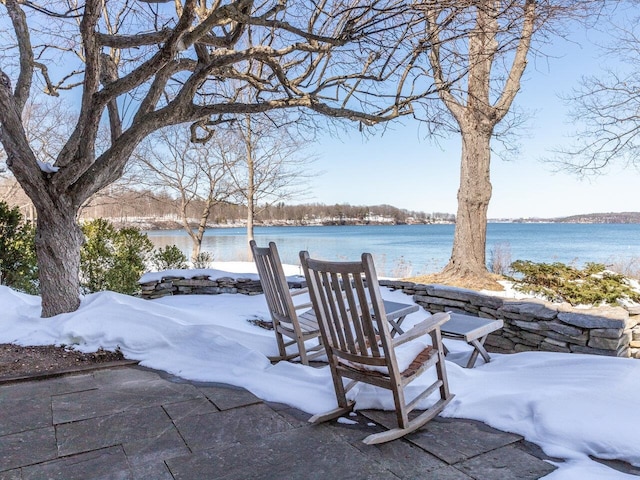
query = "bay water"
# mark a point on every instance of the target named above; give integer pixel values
(407, 250)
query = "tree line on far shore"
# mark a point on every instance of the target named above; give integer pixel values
(158, 210)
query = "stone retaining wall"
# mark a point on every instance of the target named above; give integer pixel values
(535, 324)
(204, 285)
(528, 324)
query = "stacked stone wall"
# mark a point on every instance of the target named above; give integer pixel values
(203, 285)
(528, 324)
(532, 324)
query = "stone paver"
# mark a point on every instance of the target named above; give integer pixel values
(456, 440)
(189, 408)
(318, 454)
(23, 448)
(217, 430)
(129, 390)
(135, 423)
(137, 430)
(11, 475)
(451, 440)
(506, 463)
(106, 464)
(27, 406)
(227, 398)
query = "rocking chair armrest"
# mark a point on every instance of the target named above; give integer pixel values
(422, 328)
(298, 291)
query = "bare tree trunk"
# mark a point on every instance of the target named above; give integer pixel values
(251, 198)
(202, 226)
(250, 223)
(249, 228)
(58, 243)
(196, 237)
(251, 184)
(468, 258)
(195, 250)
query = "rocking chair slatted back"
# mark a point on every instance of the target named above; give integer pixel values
(354, 324)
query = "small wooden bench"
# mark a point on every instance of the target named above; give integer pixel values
(473, 330)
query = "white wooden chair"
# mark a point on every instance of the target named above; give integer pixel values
(356, 334)
(290, 327)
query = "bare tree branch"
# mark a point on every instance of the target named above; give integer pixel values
(606, 108)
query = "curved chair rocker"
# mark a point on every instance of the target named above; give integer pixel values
(356, 334)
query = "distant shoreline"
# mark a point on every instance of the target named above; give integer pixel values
(590, 218)
(617, 218)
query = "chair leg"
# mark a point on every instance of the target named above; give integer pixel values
(302, 351)
(441, 371)
(282, 348)
(402, 415)
(395, 326)
(344, 405)
(331, 414)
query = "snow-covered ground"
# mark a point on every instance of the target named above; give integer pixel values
(573, 406)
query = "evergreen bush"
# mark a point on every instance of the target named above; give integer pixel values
(168, 258)
(113, 259)
(18, 262)
(557, 282)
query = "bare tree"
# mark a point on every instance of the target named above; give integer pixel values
(144, 66)
(196, 173)
(271, 166)
(607, 106)
(477, 51)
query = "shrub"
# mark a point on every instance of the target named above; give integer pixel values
(18, 262)
(96, 255)
(132, 250)
(629, 267)
(402, 268)
(112, 259)
(203, 260)
(168, 258)
(500, 258)
(558, 282)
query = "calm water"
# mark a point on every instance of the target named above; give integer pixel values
(401, 250)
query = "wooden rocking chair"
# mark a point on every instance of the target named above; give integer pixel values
(290, 328)
(356, 334)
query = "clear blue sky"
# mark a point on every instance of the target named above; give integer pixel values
(404, 169)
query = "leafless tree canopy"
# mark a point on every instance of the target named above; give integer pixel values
(144, 66)
(271, 163)
(471, 43)
(151, 66)
(140, 66)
